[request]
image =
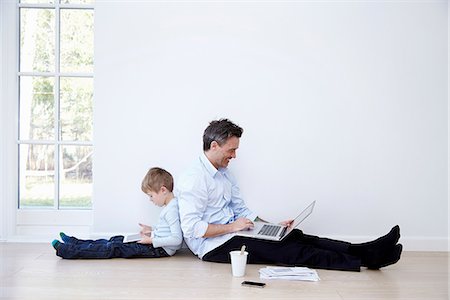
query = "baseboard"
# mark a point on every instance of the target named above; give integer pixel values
(409, 243)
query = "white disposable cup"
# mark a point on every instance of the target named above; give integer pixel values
(238, 263)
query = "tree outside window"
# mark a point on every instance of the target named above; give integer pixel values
(55, 104)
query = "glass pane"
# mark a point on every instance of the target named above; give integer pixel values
(37, 108)
(76, 108)
(76, 177)
(77, 40)
(37, 175)
(37, 40)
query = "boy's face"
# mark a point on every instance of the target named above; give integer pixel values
(158, 198)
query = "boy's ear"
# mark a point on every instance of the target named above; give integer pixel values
(164, 189)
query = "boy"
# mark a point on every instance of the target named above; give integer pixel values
(162, 241)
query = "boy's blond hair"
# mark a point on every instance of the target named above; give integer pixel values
(155, 179)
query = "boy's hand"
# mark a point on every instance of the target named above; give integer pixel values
(145, 229)
(145, 240)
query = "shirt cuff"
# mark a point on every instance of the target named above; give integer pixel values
(200, 229)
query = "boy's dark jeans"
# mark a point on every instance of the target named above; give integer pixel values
(112, 248)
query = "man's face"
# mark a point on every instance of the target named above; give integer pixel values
(220, 156)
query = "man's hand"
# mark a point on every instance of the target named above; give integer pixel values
(287, 223)
(242, 223)
(145, 240)
(220, 229)
(145, 229)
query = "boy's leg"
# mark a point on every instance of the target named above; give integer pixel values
(85, 249)
(75, 241)
(136, 250)
(109, 249)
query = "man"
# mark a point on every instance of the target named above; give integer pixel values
(212, 210)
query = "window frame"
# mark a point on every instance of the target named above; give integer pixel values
(57, 75)
(25, 224)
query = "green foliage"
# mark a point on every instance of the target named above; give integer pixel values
(38, 103)
(77, 40)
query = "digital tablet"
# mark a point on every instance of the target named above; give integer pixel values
(132, 238)
(135, 237)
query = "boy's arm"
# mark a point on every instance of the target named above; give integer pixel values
(145, 229)
(146, 240)
(176, 237)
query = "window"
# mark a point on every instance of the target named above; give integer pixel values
(55, 76)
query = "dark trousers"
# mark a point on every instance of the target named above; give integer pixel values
(112, 248)
(297, 249)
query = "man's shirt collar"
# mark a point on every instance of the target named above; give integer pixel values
(208, 165)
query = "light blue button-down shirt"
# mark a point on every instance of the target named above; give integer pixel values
(208, 196)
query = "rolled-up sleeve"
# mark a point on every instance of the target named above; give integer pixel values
(193, 201)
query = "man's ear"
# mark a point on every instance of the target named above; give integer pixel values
(214, 145)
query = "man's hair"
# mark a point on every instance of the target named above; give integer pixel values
(155, 179)
(220, 131)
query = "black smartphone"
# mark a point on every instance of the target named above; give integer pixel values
(253, 284)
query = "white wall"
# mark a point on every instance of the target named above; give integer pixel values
(341, 102)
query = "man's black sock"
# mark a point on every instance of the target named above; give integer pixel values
(385, 242)
(379, 260)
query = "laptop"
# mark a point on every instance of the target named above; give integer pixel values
(276, 232)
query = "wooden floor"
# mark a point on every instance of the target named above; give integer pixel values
(33, 271)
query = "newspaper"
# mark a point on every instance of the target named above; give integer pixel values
(289, 273)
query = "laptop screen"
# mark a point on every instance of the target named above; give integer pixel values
(302, 216)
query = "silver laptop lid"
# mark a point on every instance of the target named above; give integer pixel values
(302, 216)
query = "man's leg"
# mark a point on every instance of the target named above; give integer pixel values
(291, 251)
(375, 254)
(316, 252)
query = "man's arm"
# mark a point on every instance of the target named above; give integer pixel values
(286, 223)
(219, 229)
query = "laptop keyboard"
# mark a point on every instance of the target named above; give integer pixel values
(270, 230)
